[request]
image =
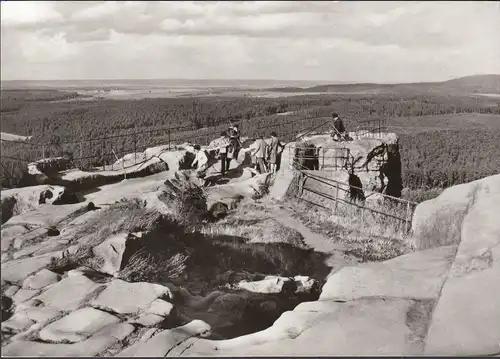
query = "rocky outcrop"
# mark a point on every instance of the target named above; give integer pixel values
(373, 163)
(20, 200)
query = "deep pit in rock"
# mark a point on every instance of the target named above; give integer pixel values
(205, 274)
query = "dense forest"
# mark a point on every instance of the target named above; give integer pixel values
(91, 130)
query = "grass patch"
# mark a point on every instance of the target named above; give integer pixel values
(372, 237)
(421, 195)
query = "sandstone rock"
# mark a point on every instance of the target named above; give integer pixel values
(40, 249)
(23, 199)
(96, 344)
(305, 284)
(9, 235)
(123, 297)
(18, 270)
(110, 253)
(414, 275)
(11, 290)
(362, 327)
(162, 343)
(70, 293)
(22, 295)
(269, 285)
(41, 314)
(148, 320)
(23, 239)
(18, 322)
(40, 280)
(77, 326)
(465, 320)
(160, 307)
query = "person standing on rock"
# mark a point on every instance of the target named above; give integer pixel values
(274, 151)
(258, 149)
(223, 144)
(235, 144)
(201, 163)
(338, 127)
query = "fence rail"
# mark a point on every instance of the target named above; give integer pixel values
(397, 205)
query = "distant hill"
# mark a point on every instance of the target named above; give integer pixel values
(481, 84)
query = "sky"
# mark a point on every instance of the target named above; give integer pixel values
(345, 41)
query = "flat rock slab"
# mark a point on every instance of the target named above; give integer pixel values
(41, 279)
(18, 270)
(22, 295)
(45, 214)
(77, 326)
(24, 239)
(162, 343)
(9, 234)
(414, 275)
(160, 307)
(466, 320)
(149, 320)
(70, 293)
(123, 297)
(18, 322)
(41, 314)
(96, 344)
(360, 327)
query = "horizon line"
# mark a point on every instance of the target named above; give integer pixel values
(333, 82)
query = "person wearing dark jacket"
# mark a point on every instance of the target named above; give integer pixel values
(235, 144)
(338, 127)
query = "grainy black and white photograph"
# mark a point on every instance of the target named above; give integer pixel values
(250, 178)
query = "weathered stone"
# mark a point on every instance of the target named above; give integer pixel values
(414, 275)
(160, 307)
(77, 326)
(96, 344)
(162, 343)
(40, 280)
(269, 285)
(9, 292)
(41, 314)
(9, 235)
(18, 270)
(362, 327)
(110, 253)
(22, 295)
(70, 293)
(18, 322)
(123, 297)
(23, 239)
(148, 320)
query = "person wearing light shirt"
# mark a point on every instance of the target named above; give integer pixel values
(258, 149)
(200, 162)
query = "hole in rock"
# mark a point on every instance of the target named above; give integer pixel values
(204, 272)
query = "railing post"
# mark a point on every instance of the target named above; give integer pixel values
(90, 154)
(103, 148)
(336, 198)
(81, 153)
(135, 147)
(407, 224)
(169, 138)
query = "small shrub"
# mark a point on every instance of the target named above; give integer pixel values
(148, 267)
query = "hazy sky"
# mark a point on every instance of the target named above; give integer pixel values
(300, 40)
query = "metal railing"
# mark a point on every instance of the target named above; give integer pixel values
(101, 153)
(335, 187)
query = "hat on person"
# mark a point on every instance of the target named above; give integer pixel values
(335, 115)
